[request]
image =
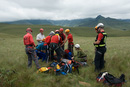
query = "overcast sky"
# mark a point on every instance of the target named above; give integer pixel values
(11, 10)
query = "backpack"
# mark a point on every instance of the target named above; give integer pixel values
(110, 80)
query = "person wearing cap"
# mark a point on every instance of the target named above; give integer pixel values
(70, 41)
(29, 48)
(55, 43)
(41, 50)
(40, 36)
(81, 55)
(63, 36)
(100, 47)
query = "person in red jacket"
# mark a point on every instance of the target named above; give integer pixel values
(63, 36)
(47, 42)
(55, 43)
(70, 41)
(29, 48)
(48, 38)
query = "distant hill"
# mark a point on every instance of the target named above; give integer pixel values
(109, 22)
(92, 22)
(37, 22)
(71, 23)
(126, 20)
(87, 22)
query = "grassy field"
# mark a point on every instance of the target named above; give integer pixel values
(13, 57)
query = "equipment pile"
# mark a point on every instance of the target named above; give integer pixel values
(62, 68)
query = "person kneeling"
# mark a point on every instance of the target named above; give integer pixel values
(41, 51)
(81, 56)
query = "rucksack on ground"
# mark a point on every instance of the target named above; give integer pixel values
(110, 80)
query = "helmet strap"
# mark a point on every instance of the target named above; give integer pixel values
(99, 30)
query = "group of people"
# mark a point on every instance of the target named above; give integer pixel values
(55, 41)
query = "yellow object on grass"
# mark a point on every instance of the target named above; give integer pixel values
(43, 69)
(57, 66)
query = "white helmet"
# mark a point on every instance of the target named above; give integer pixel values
(100, 25)
(52, 33)
(77, 46)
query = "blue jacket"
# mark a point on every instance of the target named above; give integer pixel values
(41, 47)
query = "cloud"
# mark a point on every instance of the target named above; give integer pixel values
(62, 9)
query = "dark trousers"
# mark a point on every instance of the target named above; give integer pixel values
(55, 47)
(32, 56)
(70, 48)
(99, 58)
(41, 55)
(62, 50)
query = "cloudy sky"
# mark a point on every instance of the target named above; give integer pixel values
(11, 10)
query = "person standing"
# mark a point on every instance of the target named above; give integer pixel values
(29, 48)
(48, 38)
(47, 43)
(70, 41)
(40, 36)
(100, 46)
(55, 43)
(63, 36)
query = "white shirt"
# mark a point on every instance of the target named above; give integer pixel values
(40, 37)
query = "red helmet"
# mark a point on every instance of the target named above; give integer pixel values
(67, 51)
(56, 31)
(61, 29)
(28, 29)
(41, 29)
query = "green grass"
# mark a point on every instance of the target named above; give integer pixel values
(13, 57)
(19, 30)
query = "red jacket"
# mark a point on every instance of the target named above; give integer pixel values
(48, 40)
(56, 39)
(28, 39)
(63, 36)
(70, 39)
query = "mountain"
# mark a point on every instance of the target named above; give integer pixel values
(92, 22)
(109, 22)
(86, 22)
